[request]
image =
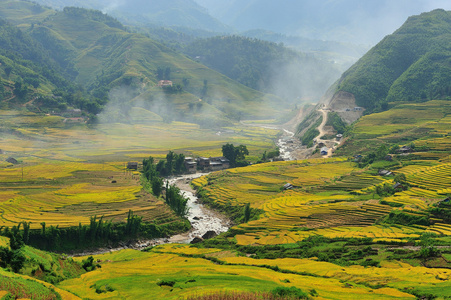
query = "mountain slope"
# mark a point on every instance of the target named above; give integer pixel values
(412, 64)
(26, 70)
(102, 55)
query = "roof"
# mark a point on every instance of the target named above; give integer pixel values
(324, 149)
(397, 185)
(12, 160)
(288, 186)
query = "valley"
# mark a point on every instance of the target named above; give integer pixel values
(144, 160)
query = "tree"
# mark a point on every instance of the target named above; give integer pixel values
(234, 154)
(167, 73)
(170, 161)
(247, 212)
(160, 73)
(179, 166)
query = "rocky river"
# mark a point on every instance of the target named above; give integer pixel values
(205, 222)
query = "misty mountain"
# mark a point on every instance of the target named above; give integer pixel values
(109, 61)
(176, 23)
(354, 21)
(412, 64)
(265, 66)
(182, 13)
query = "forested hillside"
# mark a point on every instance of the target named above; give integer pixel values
(101, 55)
(28, 74)
(412, 64)
(265, 66)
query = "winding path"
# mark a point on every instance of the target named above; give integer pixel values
(331, 144)
(323, 123)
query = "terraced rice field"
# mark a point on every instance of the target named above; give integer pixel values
(66, 175)
(345, 207)
(126, 271)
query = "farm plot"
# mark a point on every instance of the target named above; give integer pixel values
(69, 173)
(432, 178)
(67, 193)
(314, 209)
(135, 275)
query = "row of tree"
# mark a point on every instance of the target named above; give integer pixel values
(154, 173)
(97, 233)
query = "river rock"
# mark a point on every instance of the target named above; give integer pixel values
(209, 234)
(196, 218)
(196, 240)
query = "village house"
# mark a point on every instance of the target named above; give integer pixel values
(213, 163)
(12, 160)
(164, 83)
(221, 159)
(385, 173)
(405, 149)
(358, 158)
(203, 162)
(190, 165)
(398, 187)
(324, 151)
(131, 165)
(288, 186)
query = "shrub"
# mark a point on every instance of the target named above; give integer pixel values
(290, 292)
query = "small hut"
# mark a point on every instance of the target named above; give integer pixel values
(12, 160)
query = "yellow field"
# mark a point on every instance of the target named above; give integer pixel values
(307, 210)
(65, 174)
(126, 272)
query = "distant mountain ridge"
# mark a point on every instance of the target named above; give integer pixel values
(185, 13)
(356, 21)
(411, 65)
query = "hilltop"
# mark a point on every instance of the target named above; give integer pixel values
(185, 13)
(410, 65)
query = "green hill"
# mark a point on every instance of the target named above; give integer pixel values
(412, 64)
(100, 54)
(26, 70)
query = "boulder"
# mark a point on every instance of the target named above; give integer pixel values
(196, 240)
(209, 234)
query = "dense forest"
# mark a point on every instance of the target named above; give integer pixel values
(412, 64)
